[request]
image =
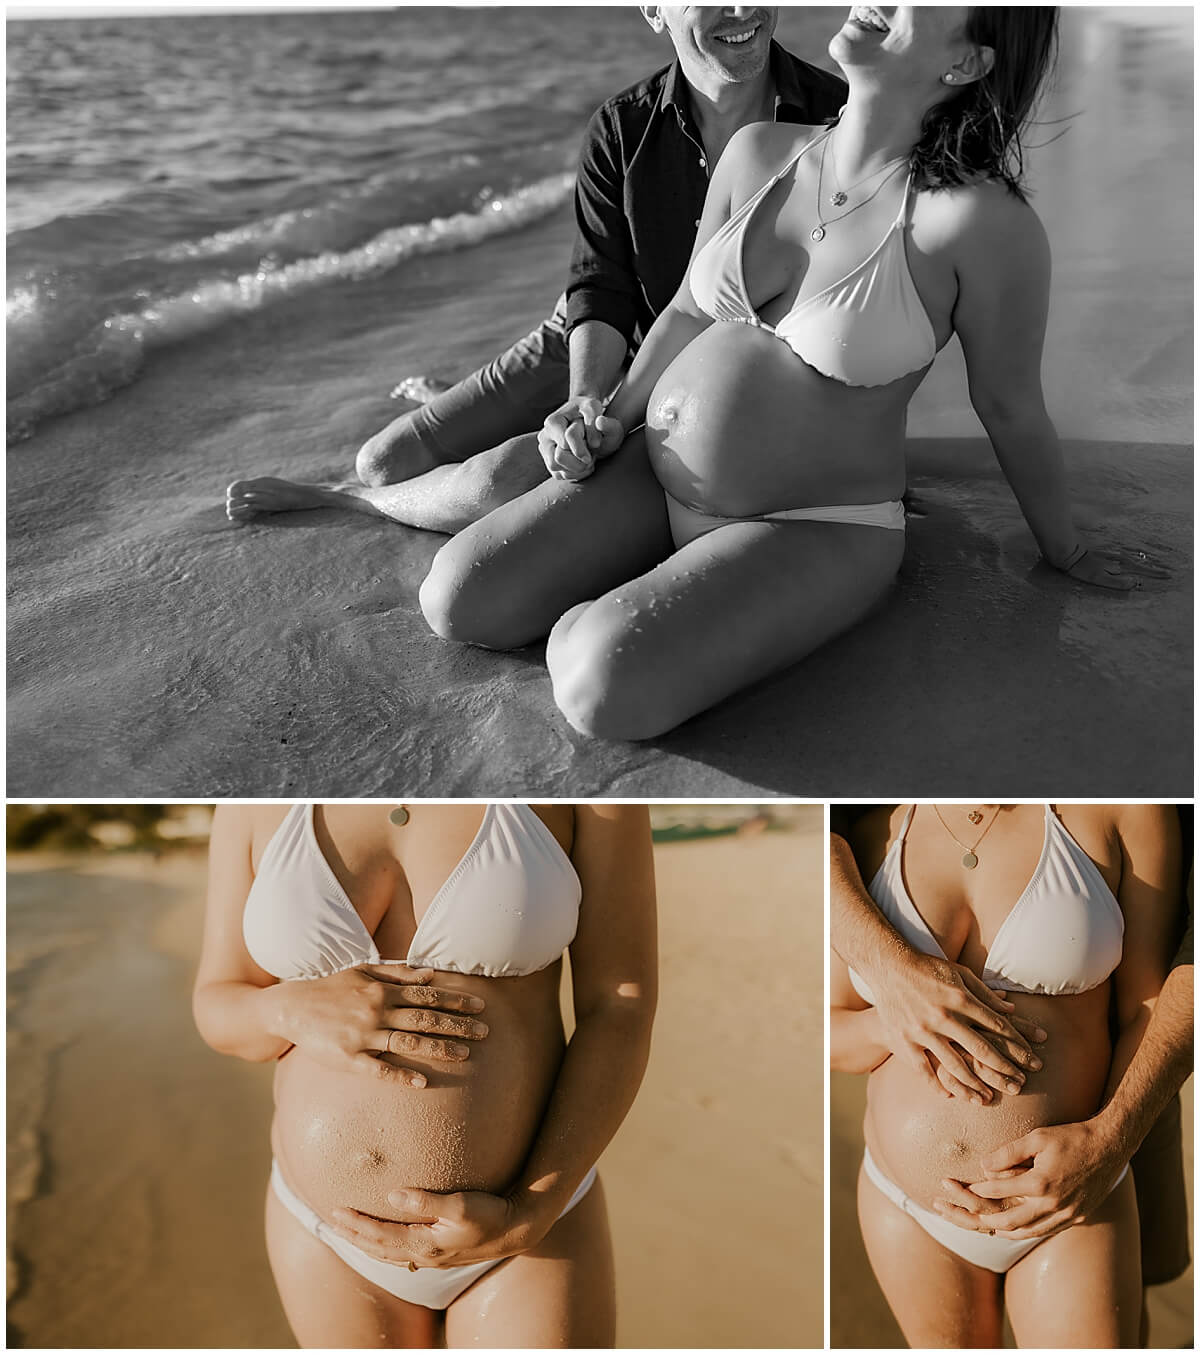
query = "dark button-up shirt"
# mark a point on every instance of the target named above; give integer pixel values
(641, 185)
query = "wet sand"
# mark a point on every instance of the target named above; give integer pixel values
(858, 1313)
(140, 1157)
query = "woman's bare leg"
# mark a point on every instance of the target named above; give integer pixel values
(1082, 1287)
(505, 580)
(330, 1305)
(559, 1295)
(939, 1300)
(728, 608)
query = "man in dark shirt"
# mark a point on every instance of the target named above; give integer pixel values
(643, 175)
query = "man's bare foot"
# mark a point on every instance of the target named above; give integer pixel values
(245, 499)
(418, 389)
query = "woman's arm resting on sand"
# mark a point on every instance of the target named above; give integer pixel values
(614, 982)
(939, 1017)
(344, 1020)
(1002, 260)
(1056, 1176)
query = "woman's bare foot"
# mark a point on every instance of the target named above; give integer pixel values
(245, 499)
(418, 389)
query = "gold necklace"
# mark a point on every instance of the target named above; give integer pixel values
(817, 234)
(969, 859)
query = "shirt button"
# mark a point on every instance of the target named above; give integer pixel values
(697, 223)
(703, 163)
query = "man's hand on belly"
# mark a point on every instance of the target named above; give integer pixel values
(944, 1022)
(438, 1231)
(1047, 1180)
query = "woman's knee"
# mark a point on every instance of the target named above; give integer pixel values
(459, 602)
(603, 680)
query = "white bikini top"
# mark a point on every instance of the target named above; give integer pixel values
(510, 907)
(867, 329)
(1063, 934)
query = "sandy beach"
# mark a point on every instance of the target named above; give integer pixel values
(138, 1157)
(859, 1315)
(154, 649)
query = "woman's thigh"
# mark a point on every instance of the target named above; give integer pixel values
(330, 1305)
(729, 608)
(505, 580)
(1082, 1288)
(560, 1294)
(939, 1300)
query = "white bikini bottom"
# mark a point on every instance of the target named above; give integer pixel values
(980, 1249)
(689, 523)
(431, 1288)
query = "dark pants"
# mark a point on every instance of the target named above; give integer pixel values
(1162, 1199)
(512, 395)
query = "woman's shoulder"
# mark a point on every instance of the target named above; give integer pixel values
(985, 210)
(761, 149)
(983, 231)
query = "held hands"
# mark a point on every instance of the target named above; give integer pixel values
(944, 1022)
(1116, 568)
(576, 436)
(437, 1231)
(349, 1019)
(1048, 1180)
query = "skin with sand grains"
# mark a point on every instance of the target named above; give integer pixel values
(426, 1156)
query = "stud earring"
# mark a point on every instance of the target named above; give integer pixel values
(949, 78)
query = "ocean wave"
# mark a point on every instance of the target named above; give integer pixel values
(112, 354)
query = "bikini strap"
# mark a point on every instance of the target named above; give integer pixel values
(902, 215)
(908, 818)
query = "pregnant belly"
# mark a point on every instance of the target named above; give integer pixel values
(739, 425)
(346, 1139)
(918, 1137)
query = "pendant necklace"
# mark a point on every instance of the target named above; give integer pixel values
(399, 816)
(969, 859)
(817, 234)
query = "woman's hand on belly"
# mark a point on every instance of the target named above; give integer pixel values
(437, 1231)
(358, 1018)
(1048, 1179)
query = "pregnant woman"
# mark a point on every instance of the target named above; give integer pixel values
(757, 513)
(435, 1136)
(1073, 907)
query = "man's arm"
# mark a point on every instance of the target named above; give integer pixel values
(930, 1010)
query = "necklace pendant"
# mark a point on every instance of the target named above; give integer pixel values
(399, 816)
(975, 816)
(818, 233)
(838, 199)
(970, 860)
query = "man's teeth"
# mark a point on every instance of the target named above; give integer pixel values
(737, 38)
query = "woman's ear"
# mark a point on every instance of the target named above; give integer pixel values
(653, 16)
(977, 63)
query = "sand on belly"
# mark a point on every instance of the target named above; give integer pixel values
(156, 650)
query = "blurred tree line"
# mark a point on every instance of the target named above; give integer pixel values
(115, 826)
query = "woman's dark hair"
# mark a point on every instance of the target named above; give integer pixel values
(977, 133)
